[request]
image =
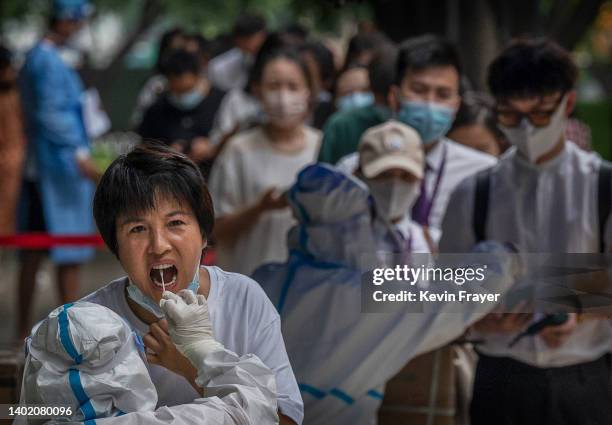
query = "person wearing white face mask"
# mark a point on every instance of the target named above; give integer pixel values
(426, 97)
(391, 163)
(255, 167)
(545, 196)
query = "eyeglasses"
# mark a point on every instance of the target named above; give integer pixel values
(513, 118)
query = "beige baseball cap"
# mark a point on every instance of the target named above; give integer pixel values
(391, 145)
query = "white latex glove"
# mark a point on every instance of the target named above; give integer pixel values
(189, 325)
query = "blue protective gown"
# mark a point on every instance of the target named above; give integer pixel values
(51, 93)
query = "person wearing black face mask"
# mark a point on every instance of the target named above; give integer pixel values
(183, 116)
(12, 142)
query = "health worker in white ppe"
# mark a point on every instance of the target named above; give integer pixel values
(426, 96)
(86, 358)
(545, 196)
(155, 214)
(341, 356)
(391, 163)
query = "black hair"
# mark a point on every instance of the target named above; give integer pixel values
(426, 51)
(179, 62)
(248, 25)
(299, 31)
(361, 43)
(290, 54)
(165, 41)
(530, 68)
(476, 109)
(134, 181)
(325, 61)
(277, 44)
(381, 70)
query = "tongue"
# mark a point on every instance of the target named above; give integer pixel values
(168, 274)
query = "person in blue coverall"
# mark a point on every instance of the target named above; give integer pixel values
(57, 189)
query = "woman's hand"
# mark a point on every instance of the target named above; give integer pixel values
(162, 351)
(272, 200)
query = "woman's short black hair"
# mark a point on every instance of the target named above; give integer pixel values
(134, 181)
(532, 68)
(426, 51)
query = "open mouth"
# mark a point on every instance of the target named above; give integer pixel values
(164, 276)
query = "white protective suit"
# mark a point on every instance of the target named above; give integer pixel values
(342, 357)
(86, 356)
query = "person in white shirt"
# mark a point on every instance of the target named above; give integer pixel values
(230, 70)
(155, 214)
(543, 197)
(426, 97)
(250, 175)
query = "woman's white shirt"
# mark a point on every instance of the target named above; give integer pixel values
(247, 167)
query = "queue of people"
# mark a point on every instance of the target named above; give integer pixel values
(293, 170)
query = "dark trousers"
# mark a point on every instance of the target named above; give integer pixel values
(509, 392)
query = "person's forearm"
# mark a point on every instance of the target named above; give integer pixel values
(229, 227)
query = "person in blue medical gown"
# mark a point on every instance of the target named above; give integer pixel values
(57, 189)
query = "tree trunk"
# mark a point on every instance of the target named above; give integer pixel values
(478, 41)
(103, 79)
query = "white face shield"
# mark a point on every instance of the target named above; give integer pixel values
(86, 356)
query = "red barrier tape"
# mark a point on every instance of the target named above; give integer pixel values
(46, 241)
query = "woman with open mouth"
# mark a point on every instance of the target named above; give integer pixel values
(155, 214)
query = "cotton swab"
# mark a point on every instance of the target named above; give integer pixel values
(163, 283)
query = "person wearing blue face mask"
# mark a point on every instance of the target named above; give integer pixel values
(353, 89)
(425, 96)
(183, 116)
(57, 189)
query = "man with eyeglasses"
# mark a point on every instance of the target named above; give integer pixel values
(545, 196)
